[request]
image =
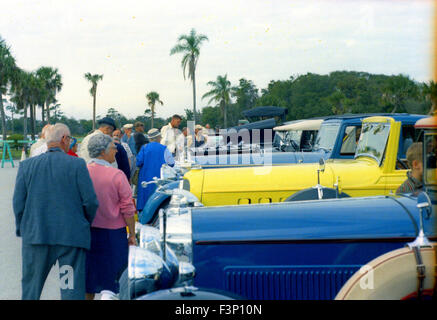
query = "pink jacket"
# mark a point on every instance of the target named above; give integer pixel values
(114, 195)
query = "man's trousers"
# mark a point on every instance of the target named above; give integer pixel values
(39, 259)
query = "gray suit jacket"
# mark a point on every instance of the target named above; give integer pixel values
(54, 200)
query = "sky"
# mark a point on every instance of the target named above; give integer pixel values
(129, 42)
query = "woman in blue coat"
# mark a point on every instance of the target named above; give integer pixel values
(150, 159)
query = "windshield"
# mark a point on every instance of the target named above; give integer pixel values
(373, 140)
(214, 142)
(326, 137)
(293, 135)
(430, 159)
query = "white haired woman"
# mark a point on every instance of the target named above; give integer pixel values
(108, 255)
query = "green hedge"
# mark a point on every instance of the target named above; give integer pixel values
(16, 137)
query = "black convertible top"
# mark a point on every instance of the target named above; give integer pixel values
(266, 111)
(262, 124)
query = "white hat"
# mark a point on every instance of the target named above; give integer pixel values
(198, 126)
(128, 126)
(153, 133)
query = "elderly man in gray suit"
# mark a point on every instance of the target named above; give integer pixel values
(54, 205)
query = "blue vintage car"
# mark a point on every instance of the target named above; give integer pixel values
(335, 139)
(300, 250)
(306, 250)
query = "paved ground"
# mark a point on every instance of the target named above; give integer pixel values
(10, 245)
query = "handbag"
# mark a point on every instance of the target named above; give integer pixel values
(134, 177)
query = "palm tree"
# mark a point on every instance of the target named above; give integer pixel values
(56, 108)
(36, 96)
(93, 78)
(189, 46)
(397, 90)
(152, 99)
(19, 90)
(13, 110)
(7, 72)
(430, 92)
(220, 93)
(27, 90)
(52, 84)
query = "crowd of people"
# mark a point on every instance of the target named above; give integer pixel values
(75, 202)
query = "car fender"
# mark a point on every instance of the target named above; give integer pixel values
(156, 200)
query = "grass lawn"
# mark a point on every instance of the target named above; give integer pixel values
(16, 154)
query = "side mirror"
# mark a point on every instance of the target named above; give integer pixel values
(322, 165)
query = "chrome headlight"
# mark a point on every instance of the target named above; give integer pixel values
(149, 238)
(178, 199)
(187, 272)
(167, 172)
(145, 271)
(144, 264)
(181, 197)
(178, 232)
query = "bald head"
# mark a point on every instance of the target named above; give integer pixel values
(58, 135)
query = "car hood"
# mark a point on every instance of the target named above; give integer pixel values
(253, 159)
(342, 219)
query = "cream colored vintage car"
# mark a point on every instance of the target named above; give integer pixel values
(375, 170)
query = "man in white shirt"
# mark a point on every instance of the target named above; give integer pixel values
(170, 133)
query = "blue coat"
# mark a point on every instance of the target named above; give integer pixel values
(54, 200)
(149, 160)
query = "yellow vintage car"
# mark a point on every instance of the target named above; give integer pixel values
(375, 170)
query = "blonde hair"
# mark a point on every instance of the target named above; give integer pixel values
(414, 152)
(44, 130)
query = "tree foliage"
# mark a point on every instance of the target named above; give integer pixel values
(7, 71)
(152, 100)
(220, 93)
(189, 46)
(94, 79)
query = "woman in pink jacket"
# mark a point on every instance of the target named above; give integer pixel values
(108, 256)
